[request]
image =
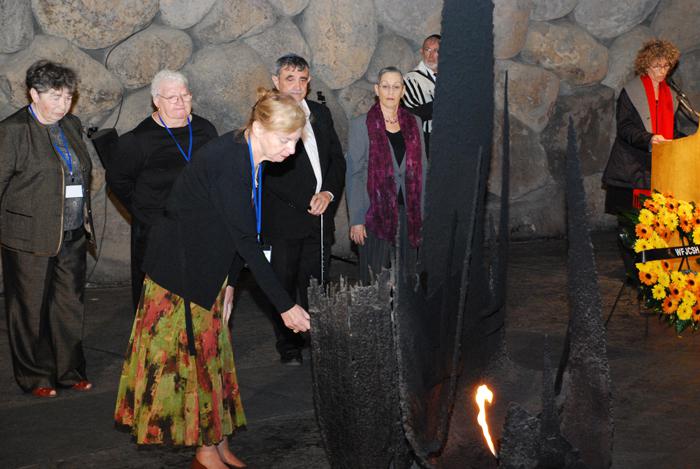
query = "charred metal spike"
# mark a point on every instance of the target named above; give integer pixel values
(587, 405)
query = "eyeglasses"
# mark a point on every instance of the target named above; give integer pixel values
(660, 66)
(186, 98)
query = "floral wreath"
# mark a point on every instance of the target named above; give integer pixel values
(673, 294)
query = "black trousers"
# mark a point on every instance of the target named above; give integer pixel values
(45, 313)
(296, 261)
(139, 238)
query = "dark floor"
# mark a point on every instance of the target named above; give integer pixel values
(654, 374)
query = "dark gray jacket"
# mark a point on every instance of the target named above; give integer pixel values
(32, 184)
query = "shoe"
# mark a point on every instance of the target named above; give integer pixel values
(292, 358)
(196, 464)
(44, 392)
(83, 385)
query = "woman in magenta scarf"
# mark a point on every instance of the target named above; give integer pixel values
(385, 179)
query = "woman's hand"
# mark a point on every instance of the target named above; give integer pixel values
(658, 138)
(319, 203)
(228, 303)
(297, 319)
(358, 234)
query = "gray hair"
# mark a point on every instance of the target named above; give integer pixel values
(389, 69)
(167, 75)
(294, 61)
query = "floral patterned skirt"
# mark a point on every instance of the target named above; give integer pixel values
(167, 396)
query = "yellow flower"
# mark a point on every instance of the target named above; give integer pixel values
(684, 311)
(689, 298)
(657, 241)
(658, 198)
(678, 278)
(658, 292)
(646, 217)
(664, 280)
(685, 209)
(655, 266)
(696, 235)
(670, 219)
(642, 245)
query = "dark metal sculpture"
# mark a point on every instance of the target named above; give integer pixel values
(355, 375)
(433, 317)
(537, 442)
(580, 433)
(585, 373)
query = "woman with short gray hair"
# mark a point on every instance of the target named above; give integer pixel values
(149, 158)
(45, 228)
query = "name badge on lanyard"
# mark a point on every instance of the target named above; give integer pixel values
(257, 203)
(73, 191)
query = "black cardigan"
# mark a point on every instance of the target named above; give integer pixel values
(209, 225)
(146, 162)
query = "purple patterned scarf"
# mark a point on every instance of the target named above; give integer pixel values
(382, 216)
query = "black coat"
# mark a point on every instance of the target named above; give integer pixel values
(629, 165)
(289, 186)
(209, 224)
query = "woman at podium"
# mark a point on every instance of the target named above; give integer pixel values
(646, 112)
(646, 115)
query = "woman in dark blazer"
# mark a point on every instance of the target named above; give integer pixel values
(385, 178)
(45, 228)
(178, 384)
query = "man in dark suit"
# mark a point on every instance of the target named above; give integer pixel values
(300, 196)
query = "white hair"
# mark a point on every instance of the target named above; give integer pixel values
(167, 75)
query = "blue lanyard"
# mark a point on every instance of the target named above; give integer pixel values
(257, 191)
(66, 157)
(189, 150)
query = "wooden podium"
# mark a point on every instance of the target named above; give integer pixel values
(675, 168)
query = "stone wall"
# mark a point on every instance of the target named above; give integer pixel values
(564, 57)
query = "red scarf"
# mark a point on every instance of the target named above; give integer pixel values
(383, 214)
(661, 113)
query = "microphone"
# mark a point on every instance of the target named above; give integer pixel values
(683, 100)
(674, 86)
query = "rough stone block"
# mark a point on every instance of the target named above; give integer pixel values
(94, 24)
(139, 58)
(567, 50)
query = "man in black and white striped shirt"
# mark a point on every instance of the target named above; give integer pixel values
(420, 85)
